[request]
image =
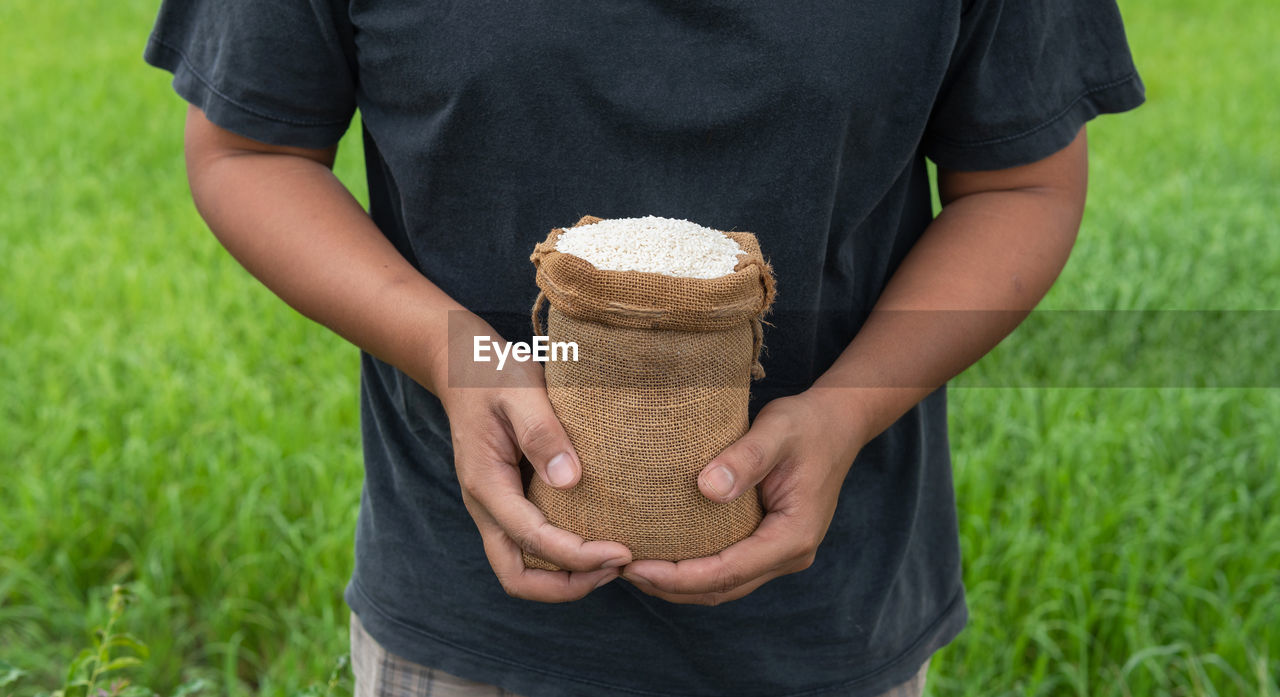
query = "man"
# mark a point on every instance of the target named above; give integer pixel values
(487, 124)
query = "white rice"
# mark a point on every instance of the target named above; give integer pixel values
(656, 245)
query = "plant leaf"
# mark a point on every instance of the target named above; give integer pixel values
(77, 664)
(121, 662)
(10, 673)
(129, 641)
(191, 687)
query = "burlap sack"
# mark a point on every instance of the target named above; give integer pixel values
(660, 387)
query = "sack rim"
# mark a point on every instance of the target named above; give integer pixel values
(747, 243)
(567, 280)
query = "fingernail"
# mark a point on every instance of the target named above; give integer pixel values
(560, 470)
(615, 563)
(720, 480)
(604, 580)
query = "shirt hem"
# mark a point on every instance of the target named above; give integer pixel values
(515, 676)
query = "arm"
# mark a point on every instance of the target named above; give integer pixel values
(282, 213)
(286, 218)
(999, 243)
(997, 246)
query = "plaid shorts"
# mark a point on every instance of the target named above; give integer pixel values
(380, 673)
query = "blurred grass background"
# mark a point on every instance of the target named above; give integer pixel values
(164, 420)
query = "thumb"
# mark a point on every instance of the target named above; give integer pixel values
(541, 438)
(742, 465)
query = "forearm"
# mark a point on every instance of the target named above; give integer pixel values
(295, 227)
(974, 275)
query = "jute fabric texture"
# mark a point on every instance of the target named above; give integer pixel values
(660, 387)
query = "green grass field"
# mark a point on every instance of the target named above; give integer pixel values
(165, 421)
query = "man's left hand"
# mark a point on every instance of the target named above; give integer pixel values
(798, 451)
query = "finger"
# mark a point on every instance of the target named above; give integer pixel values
(499, 499)
(541, 437)
(745, 462)
(705, 598)
(775, 548)
(537, 584)
(530, 530)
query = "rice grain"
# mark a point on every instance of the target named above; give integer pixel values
(655, 245)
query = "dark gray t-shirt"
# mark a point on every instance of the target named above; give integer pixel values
(486, 124)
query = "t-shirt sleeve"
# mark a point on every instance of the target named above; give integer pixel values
(277, 71)
(1024, 76)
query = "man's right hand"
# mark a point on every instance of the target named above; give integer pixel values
(495, 418)
(284, 215)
